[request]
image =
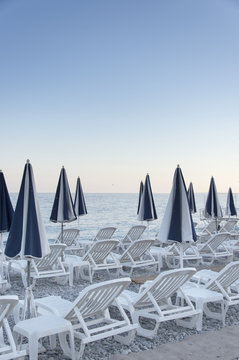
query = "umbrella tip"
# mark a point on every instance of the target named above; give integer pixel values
(28, 161)
(178, 166)
(0, 171)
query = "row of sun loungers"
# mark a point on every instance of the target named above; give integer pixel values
(182, 295)
(88, 318)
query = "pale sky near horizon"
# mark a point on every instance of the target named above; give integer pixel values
(116, 89)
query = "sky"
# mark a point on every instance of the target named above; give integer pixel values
(115, 89)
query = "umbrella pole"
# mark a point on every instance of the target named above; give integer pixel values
(181, 255)
(28, 288)
(2, 257)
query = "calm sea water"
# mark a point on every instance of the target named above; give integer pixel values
(118, 210)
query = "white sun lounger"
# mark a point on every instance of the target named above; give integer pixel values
(154, 301)
(96, 258)
(211, 284)
(215, 249)
(134, 233)
(137, 255)
(90, 316)
(8, 348)
(50, 266)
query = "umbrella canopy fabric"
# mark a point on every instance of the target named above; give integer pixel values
(230, 207)
(63, 209)
(177, 224)
(213, 208)
(191, 199)
(27, 237)
(147, 211)
(6, 209)
(141, 189)
(79, 203)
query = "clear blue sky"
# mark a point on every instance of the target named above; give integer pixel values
(113, 89)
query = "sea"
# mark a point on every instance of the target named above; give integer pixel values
(118, 210)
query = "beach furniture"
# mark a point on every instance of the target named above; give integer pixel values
(68, 237)
(50, 266)
(137, 255)
(90, 315)
(215, 249)
(208, 284)
(134, 233)
(102, 234)
(96, 258)
(154, 302)
(208, 230)
(105, 233)
(186, 252)
(229, 226)
(8, 348)
(42, 326)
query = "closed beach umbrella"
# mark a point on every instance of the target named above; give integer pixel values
(27, 237)
(177, 224)
(147, 211)
(63, 209)
(6, 209)
(79, 203)
(230, 208)
(6, 212)
(213, 209)
(191, 199)
(141, 189)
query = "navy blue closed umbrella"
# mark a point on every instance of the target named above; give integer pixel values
(147, 211)
(6, 209)
(213, 208)
(230, 207)
(177, 224)
(6, 213)
(79, 203)
(27, 237)
(63, 210)
(191, 199)
(141, 189)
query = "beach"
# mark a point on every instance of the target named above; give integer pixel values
(168, 333)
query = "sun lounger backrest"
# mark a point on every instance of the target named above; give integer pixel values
(49, 260)
(214, 241)
(7, 304)
(105, 233)
(134, 233)
(229, 225)
(226, 277)
(210, 227)
(164, 286)
(100, 250)
(68, 236)
(136, 250)
(97, 298)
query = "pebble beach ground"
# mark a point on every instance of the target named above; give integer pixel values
(105, 349)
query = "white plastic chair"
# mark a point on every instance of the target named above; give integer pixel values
(49, 266)
(137, 255)
(96, 257)
(215, 249)
(90, 316)
(68, 237)
(154, 301)
(134, 233)
(187, 251)
(208, 230)
(224, 283)
(8, 349)
(105, 233)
